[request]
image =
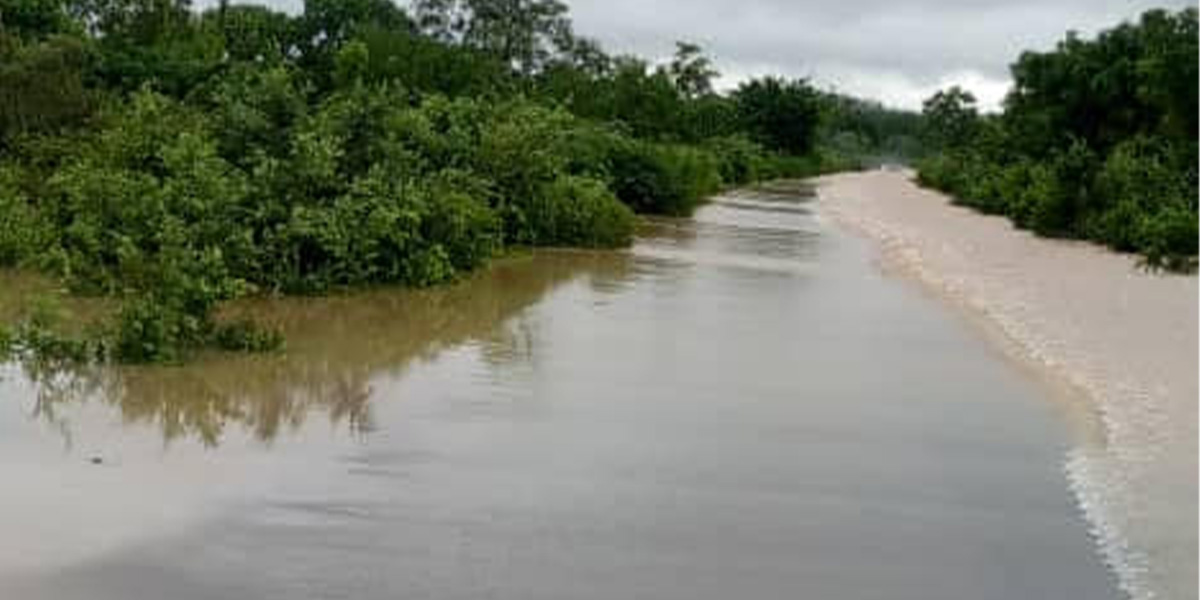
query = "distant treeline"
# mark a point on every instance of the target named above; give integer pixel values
(176, 160)
(1098, 140)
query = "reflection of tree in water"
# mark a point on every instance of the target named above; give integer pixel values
(336, 346)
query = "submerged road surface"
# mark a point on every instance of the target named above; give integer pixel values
(742, 407)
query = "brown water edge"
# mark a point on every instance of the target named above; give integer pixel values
(335, 345)
(25, 293)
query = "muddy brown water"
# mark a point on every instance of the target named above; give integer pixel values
(742, 406)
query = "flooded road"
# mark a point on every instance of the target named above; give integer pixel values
(740, 406)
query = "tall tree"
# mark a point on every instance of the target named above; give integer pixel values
(782, 115)
(692, 72)
(951, 117)
(526, 34)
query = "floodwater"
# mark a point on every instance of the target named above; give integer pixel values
(742, 406)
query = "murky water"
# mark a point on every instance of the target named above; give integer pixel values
(741, 406)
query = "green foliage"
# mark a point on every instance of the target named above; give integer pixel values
(645, 101)
(34, 19)
(522, 33)
(250, 109)
(426, 66)
(578, 211)
(246, 336)
(739, 160)
(1168, 238)
(781, 115)
(663, 179)
(24, 234)
(40, 339)
(177, 161)
(42, 86)
(149, 330)
(251, 33)
(1097, 141)
(869, 131)
(43, 344)
(691, 71)
(951, 118)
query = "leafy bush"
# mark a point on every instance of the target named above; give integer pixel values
(23, 232)
(246, 336)
(151, 330)
(739, 160)
(663, 179)
(810, 165)
(40, 338)
(384, 230)
(43, 84)
(1169, 238)
(578, 211)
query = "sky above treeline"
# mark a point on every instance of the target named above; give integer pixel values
(894, 51)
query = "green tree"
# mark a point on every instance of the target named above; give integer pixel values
(252, 33)
(781, 115)
(526, 34)
(34, 19)
(951, 118)
(1097, 140)
(43, 86)
(691, 71)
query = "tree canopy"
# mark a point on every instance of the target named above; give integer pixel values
(176, 159)
(1098, 140)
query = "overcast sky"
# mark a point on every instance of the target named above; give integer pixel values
(895, 51)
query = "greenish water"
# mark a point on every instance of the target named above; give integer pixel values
(740, 406)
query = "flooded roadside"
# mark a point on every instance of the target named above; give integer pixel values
(1120, 339)
(741, 405)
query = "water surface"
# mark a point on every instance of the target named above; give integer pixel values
(741, 406)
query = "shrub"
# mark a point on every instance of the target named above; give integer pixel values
(1138, 171)
(663, 179)
(739, 160)
(150, 330)
(578, 211)
(809, 165)
(1169, 238)
(460, 220)
(939, 172)
(1039, 206)
(23, 231)
(1120, 227)
(39, 338)
(247, 336)
(386, 229)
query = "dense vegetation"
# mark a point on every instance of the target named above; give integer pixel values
(1098, 140)
(176, 160)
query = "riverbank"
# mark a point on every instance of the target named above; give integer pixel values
(1089, 318)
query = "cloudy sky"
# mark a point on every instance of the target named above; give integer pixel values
(895, 51)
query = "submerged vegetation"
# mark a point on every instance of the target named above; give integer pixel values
(178, 160)
(1098, 141)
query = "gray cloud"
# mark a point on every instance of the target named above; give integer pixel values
(895, 51)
